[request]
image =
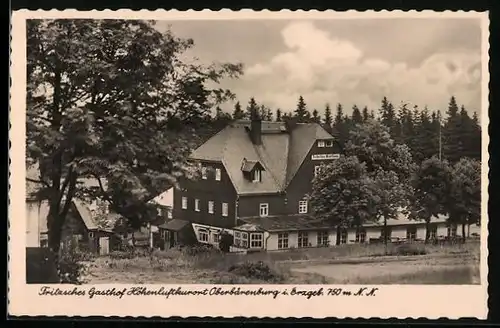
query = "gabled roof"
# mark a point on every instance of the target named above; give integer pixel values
(249, 166)
(82, 209)
(281, 153)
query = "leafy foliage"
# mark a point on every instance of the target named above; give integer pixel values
(111, 100)
(431, 183)
(464, 205)
(342, 193)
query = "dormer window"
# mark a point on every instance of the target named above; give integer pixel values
(257, 176)
(204, 173)
(329, 143)
(321, 143)
(252, 170)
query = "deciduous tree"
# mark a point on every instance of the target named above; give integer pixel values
(432, 186)
(112, 100)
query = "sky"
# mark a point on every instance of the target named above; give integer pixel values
(416, 61)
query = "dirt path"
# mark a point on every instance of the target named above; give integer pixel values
(366, 270)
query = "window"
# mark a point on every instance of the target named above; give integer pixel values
(329, 143)
(411, 233)
(317, 170)
(184, 203)
(264, 209)
(283, 240)
(91, 234)
(343, 236)
(256, 175)
(217, 174)
(237, 239)
(211, 206)
(225, 209)
(433, 232)
(256, 240)
(240, 239)
(159, 211)
(303, 206)
(452, 231)
(323, 238)
(203, 235)
(197, 205)
(169, 213)
(215, 237)
(303, 239)
(361, 236)
(321, 144)
(204, 173)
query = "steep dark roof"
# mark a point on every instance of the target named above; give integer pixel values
(174, 225)
(81, 208)
(281, 153)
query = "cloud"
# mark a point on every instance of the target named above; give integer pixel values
(323, 68)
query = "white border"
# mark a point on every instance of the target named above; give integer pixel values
(401, 301)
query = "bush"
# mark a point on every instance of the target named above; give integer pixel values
(257, 270)
(71, 268)
(199, 249)
(120, 255)
(232, 279)
(410, 249)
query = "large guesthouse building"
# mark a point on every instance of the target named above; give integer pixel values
(256, 177)
(254, 185)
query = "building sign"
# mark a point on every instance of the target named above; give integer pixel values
(319, 157)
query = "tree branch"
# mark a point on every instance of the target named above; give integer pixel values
(65, 183)
(46, 184)
(71, 193)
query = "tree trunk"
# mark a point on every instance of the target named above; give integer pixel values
(54, 233)
(337, 241)
(427, 232)
(468, 230)
(385, 235)
(463, 233)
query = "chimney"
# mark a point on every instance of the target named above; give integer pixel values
(256, 130)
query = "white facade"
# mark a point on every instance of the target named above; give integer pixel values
(36, 223)
(273, 241)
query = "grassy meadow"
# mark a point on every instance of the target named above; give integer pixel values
(346, 264)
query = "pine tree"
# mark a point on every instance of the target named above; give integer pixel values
(356, 115)
(468, 136)
(452, 141)
(278, 115)
(339, 116)
(315, 116)
(424, 146)
(327, 119)
(388, 115)
(252, 110)
(340, 124)
(301, 111)
(269, 114)
(265, 113)
(476, 138)
(238, 113)
(372, 114)
(365, 114)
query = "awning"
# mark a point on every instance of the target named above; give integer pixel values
(174, 225)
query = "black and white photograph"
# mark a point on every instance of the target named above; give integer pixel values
(263, 151)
